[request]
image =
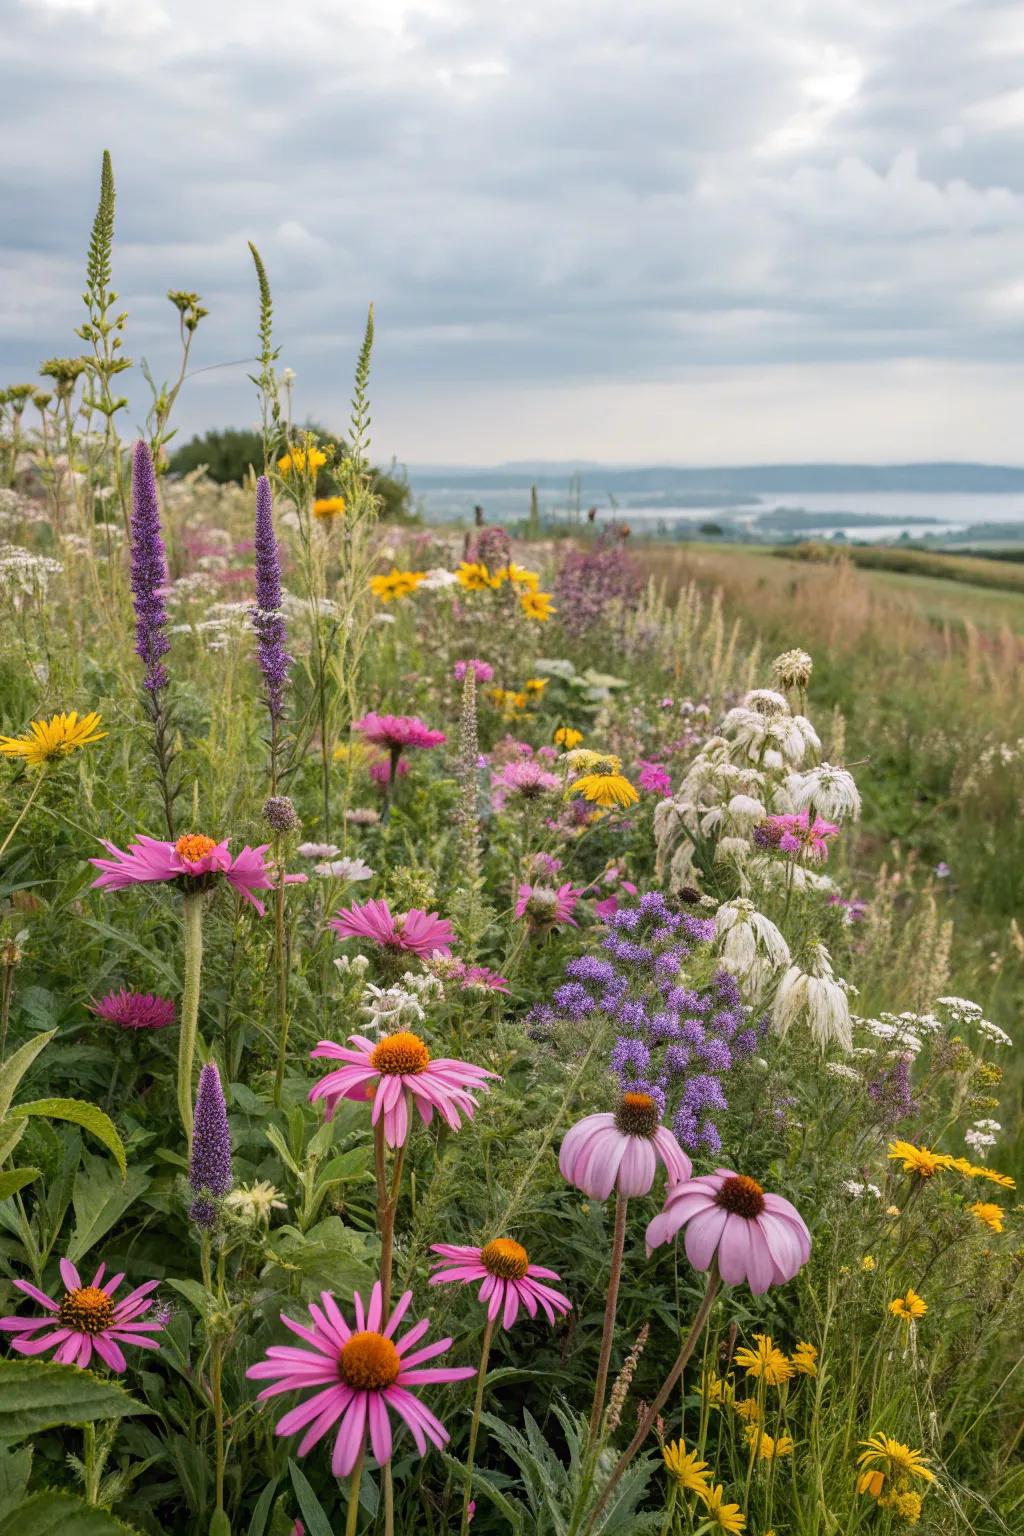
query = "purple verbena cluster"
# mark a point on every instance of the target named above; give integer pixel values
(209, 1168)
(148, 571)
(589, 581)
(267, 618)
(891, 1094)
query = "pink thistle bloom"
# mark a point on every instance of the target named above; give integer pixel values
(483, 669)
(525, 780)
(416, 932)
(86, 1318)
(397, 732)
(758, 1238)
(792, 833)
(508, 1278)
(545, 908)
(622, 1151)
(655, 777)
(543, 864)
(358, 1374)
(404, 1073)
(194, 859)
(134, 1010)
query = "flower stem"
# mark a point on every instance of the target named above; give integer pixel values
(387, 1205)
(24, 812)
(474, 1428)
(216, 1373)
(192, 923)
(601, 1381)
(647, 1422)
(352, 1519)
(281, 969)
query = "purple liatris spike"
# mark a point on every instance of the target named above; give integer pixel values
(209, 1169)
(267, 619)
(149, 571)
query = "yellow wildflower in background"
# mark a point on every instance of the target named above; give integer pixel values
(727, 1517)
(302, 459)
(890, 1459)
(919, 1160)
(475, 577)
(716, 1390)
(747, 1409)
(329, 506)
(537, 605)
(805, 1359)
(767, 1447)
(396, 584)
(536, 685)
(358, 752)
(766, 1361)
(988, 1214)
(868, 1264)
(582, 759)
(685, 1467)
(567, 737)
(518, 576)
(509, 701)
(907, 1505)
(909, 1307)
(57, 737)
(605, 785)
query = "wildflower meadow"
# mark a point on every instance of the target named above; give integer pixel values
(476, 1052)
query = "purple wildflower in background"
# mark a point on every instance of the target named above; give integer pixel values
(149, 571)
(890, 1092)
(209, 1169)
(267, 619)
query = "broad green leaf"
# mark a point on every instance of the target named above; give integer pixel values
(61, 1514)
(11, 1132)
(280, 1146)
(80, 1112)
(38, 1394)
(15, 1467)
(100, 1199)
(330, 1256)
(317, 1523)
(347, 1165)
(13, 1070)
(195, 1293)
(260, 1515)
(16, 1178)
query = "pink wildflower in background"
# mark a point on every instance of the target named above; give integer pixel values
(524, 780)
(621, 1151)
(544, 908)
(398, 732)
(758, 1238)
(356, 1376)
(654, 777)
(508, 1279)
(134, 1010)
(415, 931)
(483, 669)
(194, 859)
(403, 1069)
(793, 833)
(86, 1318)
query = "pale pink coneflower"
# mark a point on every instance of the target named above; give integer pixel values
(758, 1239)
(621, 1151)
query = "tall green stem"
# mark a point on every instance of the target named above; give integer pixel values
(474, 1428)
(24, 812)
(352, 1518)
(608, 1333)
(192, 924)
(281, 968)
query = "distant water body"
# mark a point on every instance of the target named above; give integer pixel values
(897, 512)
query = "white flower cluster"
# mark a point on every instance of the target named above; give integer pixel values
(824, 791)
(763, 729)
(752, 947)
(400, 1005)
(351, 870)
(982, 1135)
(858, 1189)
(438, 580)
(24, 573)
(964, 1013)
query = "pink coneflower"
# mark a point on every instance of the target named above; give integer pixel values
(524, 780)
(194, 860)
(545, 908)
(415, 932)
(483, 669)
(793, 834)
(404, 1071)
(622, 1151)
(360, 1374)
(86, 1318)
(655, 777)
(397, 732)
(134, 1010)
(508, 1279)
(760, 1239)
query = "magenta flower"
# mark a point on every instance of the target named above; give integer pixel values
(793, 833)
(404, 1071)
(86, 1318)
(545, 908)
(758, 1238)
(509, 1279)
(415, 932)
(483, 669)
(134, 1010)
(360, 1374)
(397, 732)
(622, 1151)
(195, 860)
(655, 777)
(482, 977)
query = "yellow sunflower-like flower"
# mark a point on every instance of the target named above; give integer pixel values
(766, 1361)
(727, 1517)
(301, 460)
(989, 1214)
(804, 1359)
(885, 1458)
(396, 584)
(537, 605)
(689, 1472)
(767, 1447)
(517, 576)
(329, 506)
(909, 1307)
(605, 786)
(509, 701)
(1002, 1179)
(475, 577)
(536, 686)
(716, 1390)
(919, 1160)
(567, 737)
(907, 1505)
(57, 737)
(747, 1409)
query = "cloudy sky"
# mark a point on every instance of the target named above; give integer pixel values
(691, 231)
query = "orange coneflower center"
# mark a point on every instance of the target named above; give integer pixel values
(505, 1258)
(637, 1115)
(89, 1309)
(402, 1053)
(368, 1362)
(741, 1196)
(193, 847)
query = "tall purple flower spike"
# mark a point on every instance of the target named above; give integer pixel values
(149, 571)
(209, 1169)
(267, 619)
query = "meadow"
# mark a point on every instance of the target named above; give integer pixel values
(495, 1036)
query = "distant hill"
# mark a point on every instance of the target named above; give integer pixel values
(663, 481)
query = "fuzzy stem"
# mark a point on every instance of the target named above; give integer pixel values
(608, 1334)
(281, 970)
(192, 923)
(474, 1428)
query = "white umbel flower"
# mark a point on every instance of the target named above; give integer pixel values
(831, 791)
(815, 996)
(752, 948)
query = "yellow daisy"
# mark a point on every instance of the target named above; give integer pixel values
(329, 506)
(728, 1517)
(747, 1409)
(536, 685)
(1002, 1179)
(475, 577)
(605, 787)
(805, 1359)
(888, 1458)
(537, 605)
(688, 1470)
(768, 1448)
(766, 1361)
(396, 584)
(568, 738)
(909, 1307)
(57, 737)
(990, 1215)
(301, 460)
(919, 1160)
(716, 1390)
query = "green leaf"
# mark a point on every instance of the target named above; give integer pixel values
(100, 1200)
(61, 1514)
(280, 1146)
(330, 1256)
(12, 1071)
(11, 1132)
(513, 1512)
(258, 1523)
(15, 1467)
(80, 1112)
(39, 1394)
(16, 1178)
(195, 1293)
(220, 1525)
(317, 1522)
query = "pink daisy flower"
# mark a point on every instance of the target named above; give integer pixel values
(397, 732)
(403, 1070)
(86, 1318)
(508, 1278)
(655, 777)
(545, 908)
(134, 1010)
(358, 1374)
(758, 1238)
(415, 932)
(194, 859)
(622, 1151)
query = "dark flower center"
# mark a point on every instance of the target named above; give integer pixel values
(368, 1362)
(741, 1196)
(89, 1310)
(637, 1115)
(403, 1053)
(505, 1258)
